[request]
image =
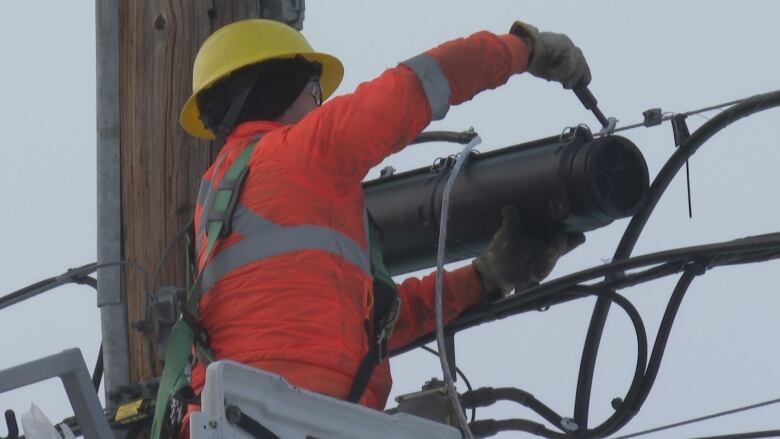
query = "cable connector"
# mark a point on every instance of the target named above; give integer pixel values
(569, 424)
(482, 397)
(653, 117)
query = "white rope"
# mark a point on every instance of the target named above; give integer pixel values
(448, 381)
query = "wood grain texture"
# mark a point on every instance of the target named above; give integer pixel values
(161, 164)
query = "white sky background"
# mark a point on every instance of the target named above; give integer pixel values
(723, 350)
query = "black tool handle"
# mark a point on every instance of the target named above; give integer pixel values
(590, 102)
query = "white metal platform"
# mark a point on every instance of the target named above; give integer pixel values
(292, 413)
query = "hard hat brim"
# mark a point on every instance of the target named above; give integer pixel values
(332, 74)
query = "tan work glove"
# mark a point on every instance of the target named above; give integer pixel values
(554, 57)
(515, 259)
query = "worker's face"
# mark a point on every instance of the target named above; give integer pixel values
(308, 101)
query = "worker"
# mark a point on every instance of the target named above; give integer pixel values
(298, 287)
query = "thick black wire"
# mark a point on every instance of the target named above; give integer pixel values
(72, 275)
(79, 276)
(97, 372)
(643, 378)
(681, 155)
(487, 396)
(637, 393)
(462, 137)
(491, 427)
(547, 413)
(737, 251)
(460, 374)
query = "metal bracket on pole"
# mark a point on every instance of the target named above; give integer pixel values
(286, 11)
(69, 366)
(113, 314)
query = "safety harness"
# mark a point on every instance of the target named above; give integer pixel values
(187, 334)
(387, 307)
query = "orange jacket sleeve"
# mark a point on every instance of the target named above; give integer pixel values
(352, 133)
(462, 290)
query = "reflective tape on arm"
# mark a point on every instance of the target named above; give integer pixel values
(434, 82)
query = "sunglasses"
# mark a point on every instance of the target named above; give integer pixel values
(315, 89)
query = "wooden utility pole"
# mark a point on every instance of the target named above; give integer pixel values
(161, 165)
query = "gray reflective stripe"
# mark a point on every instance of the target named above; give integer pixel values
(264, 238)
(367, 231)
(203, 191)
(205, 198)
(434, 82)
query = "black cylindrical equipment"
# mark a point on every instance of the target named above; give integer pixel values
(573, 182)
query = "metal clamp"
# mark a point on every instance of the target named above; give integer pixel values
(609, 127)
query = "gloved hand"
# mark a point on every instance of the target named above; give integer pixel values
(516, 259)
(554, 57)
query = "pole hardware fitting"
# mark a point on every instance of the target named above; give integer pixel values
(569, 424)
(571, 134)
(387, 171)
(236, 417)
(680, 129)
(681, 135)
(165, 310)
(653, 117)
(444, 163)
(696, 267)
(290, 12)
(609, 128)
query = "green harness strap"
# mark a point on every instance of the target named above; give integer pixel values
(183, 334)
(387, 307)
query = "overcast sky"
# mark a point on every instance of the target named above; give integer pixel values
(723, 350)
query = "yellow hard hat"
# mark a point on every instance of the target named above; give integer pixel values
(245, 43)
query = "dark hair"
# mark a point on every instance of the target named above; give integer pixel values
(274, 86)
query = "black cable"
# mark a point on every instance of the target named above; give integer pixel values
(462, 137)
(703, 418)
(457, 369)
(460, 374)
(86, 280)
(28, 292)
(718, 254)
(72, 275)
(639, 390)
(488, 396)
(79, 275)
(643, 378)
(97, 373)
(748, 435)
(681, 155)
(491, 427)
